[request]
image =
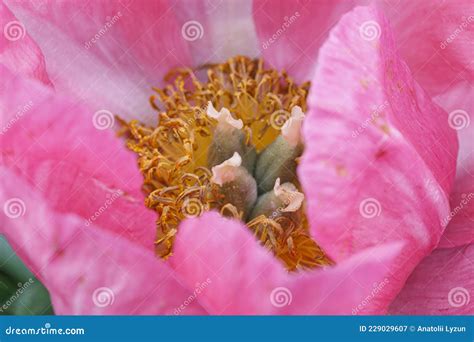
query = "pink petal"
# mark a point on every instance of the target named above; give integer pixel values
(209, 24)
(460, 221)
(438, 47)
(442, 284)
(242, 277)
(17, 50)
(291, 32)
(87, 270)
(55, 145)
(380, 157)
(136, 43)
(459, 102)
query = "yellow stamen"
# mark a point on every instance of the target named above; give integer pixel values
(172, 155)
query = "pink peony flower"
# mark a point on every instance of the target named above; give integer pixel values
(389, 194)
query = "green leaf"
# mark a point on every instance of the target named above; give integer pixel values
(20, 292)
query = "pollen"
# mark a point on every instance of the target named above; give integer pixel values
(206, 152)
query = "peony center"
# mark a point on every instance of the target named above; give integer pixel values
(230, 143)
